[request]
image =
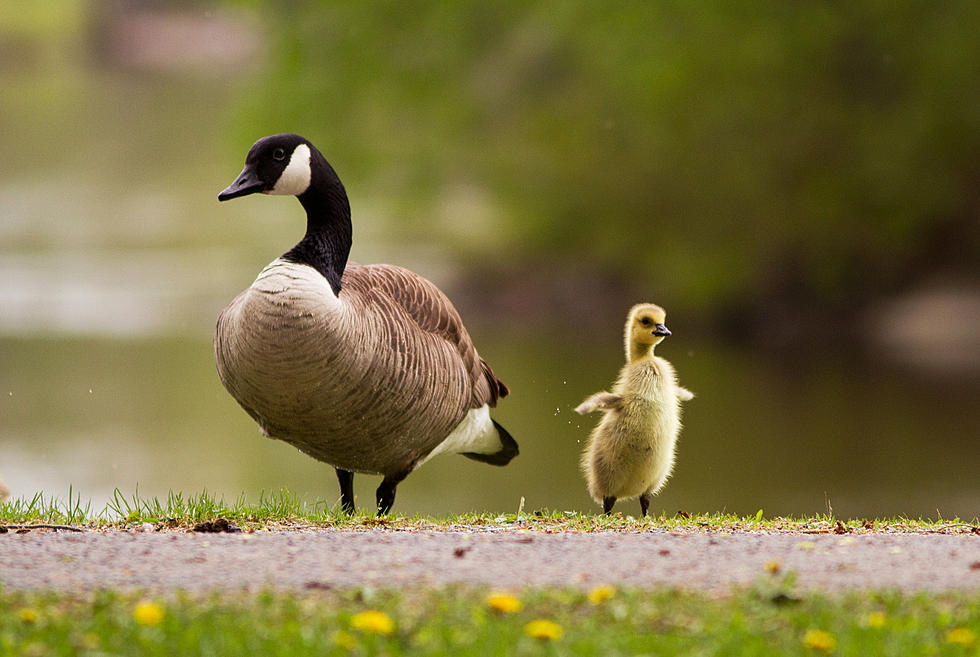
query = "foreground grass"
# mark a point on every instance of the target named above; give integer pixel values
(764, 620)
(283, 510)
(768, 618)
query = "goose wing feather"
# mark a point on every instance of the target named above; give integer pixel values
(425, 304)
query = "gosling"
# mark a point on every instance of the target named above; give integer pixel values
(631, 450)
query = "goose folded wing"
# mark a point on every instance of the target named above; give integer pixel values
(434, 313)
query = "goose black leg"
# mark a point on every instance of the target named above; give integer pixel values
(607, 504)
(644, 503)
(346, 479)
(386, 492)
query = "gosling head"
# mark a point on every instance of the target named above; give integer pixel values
(278, 164)
(645, 328)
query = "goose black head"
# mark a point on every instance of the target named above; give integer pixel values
(278, 164)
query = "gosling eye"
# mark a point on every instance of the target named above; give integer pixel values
(279, 154)
(646, 321)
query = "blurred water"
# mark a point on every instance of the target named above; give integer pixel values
(115, 259)
(101, 413)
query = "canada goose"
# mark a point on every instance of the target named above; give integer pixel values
(631, 450)
(365, 367)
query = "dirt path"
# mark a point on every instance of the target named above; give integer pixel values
(166, 561)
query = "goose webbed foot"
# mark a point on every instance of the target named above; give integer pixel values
(644, 503)
(607, 504)
(346, 479)
(386, 493)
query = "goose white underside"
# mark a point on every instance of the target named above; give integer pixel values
(476, 433)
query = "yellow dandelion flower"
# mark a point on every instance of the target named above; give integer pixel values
(876, 619)
(376, 622)
(773, 567)
(344, 639)
(148, 613)
(600, 594)
(961, 635)
(27, 615)
(504, 602)
(543, 629)
(820, 640)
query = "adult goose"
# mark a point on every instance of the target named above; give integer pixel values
(365, 367)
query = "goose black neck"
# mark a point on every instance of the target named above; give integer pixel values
(326, 244)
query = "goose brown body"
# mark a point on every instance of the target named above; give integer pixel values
(371, 380)
(366, 367)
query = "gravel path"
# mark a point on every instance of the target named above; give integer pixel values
(165, 561)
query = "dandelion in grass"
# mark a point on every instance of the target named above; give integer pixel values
(545, 630)
(344, 640)
(876, 619)
(963, 636)
(148, 613)
(773, 567)
(504, 603)
(373, 622)
(27, 615)
(600, 594)
(820, 640)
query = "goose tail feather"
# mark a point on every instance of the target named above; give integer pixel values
(508, 449)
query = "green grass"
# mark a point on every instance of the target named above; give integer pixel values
(768, 618)
(282, 509)
(458, 621)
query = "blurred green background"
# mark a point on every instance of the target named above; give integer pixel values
(798, 185)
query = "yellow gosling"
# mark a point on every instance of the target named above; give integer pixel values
(631, 450)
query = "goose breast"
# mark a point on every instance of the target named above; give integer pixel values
(371, 380)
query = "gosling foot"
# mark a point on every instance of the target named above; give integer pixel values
(644, 504)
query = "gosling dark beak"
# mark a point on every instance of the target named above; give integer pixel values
(246, 183)
(661, 330)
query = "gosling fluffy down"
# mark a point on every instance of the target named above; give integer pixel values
(631, 450)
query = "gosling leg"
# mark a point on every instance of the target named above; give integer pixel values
(607, 504)
(644, 503)
(386, 492)
(346, 479)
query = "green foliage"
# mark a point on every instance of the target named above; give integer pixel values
(812, 153)
(458, 621)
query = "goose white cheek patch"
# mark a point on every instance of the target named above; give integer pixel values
(295, 178)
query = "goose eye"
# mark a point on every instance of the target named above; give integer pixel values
(279, 154)
(646, 321)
